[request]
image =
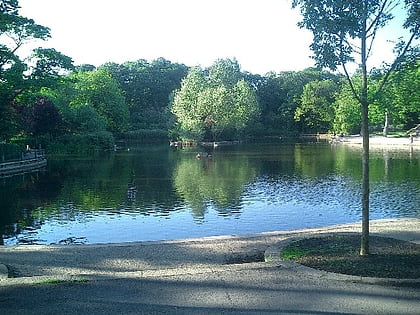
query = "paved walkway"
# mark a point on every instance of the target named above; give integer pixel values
(197, 276)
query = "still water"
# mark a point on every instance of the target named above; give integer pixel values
(157, 192)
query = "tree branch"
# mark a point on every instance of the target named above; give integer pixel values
(351, 83)
(354, 47)
(386, 7)
(373, 35)
(396, 62)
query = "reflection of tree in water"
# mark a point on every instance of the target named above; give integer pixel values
(131, 193)
(216, 181)
(21, 196)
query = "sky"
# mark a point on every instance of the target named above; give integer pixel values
(262, 35)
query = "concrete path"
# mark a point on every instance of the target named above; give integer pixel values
(197, 276)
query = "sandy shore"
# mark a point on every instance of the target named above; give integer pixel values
(380, 141)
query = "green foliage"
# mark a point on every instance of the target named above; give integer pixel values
(218, 106)
(9, 7)
(403, 95)
(335, 24)
(316, 109)
(17, 30)
(8, 124)
(344, 28)
(10, 151)
(93, 93)
(147, 135)
(186, 105)
(42, 117)
(412, 22)
(279, 96)
(146, 100)
(21, 80)
(49, 64)
(147, 88)
(82, 143)
(400, 98)
(292, 252)
(83, 118)
(225, 72)
(347, 113)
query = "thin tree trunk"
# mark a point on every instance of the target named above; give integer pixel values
(364, 246)
(386, 124)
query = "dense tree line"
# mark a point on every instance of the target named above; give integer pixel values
(46, 99)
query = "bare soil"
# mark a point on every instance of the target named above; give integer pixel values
(388, 258)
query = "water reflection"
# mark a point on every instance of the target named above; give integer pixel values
(157, 192)
(217, 180)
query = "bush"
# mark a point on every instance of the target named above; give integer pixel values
(10, 151)
(82, 143)
(147, 135)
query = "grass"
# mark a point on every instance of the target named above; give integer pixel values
(389, 258)
(293, 252)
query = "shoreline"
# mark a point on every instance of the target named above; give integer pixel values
(224, 275)
(379, 141)
(33, 263)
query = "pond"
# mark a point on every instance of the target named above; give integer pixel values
(158, 192)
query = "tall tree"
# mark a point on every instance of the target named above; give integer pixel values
(21, 79)
(403, 95)
(186, 105)
(341, 29)
(316, 110)
(49, 65)
(214, 106)
(147, 88)
(14, 32)
(41, 118)
(95, 94)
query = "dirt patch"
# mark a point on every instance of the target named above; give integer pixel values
(244, 258)
(389, 258)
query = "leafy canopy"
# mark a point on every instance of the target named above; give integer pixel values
(214, 106)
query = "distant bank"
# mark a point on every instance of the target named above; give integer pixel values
(380, 141)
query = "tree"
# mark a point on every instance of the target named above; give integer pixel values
(42, 118)
(147, 88)
(90, 102)
(9, 6)
(225, 72)
(22, 79)
(49, 66)
(280, 95)
(347, 117)
(186, 105)
(316, 109)
(101, 91)
(214, 106)
(14, 32)
(341, 29)
(403, 95)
